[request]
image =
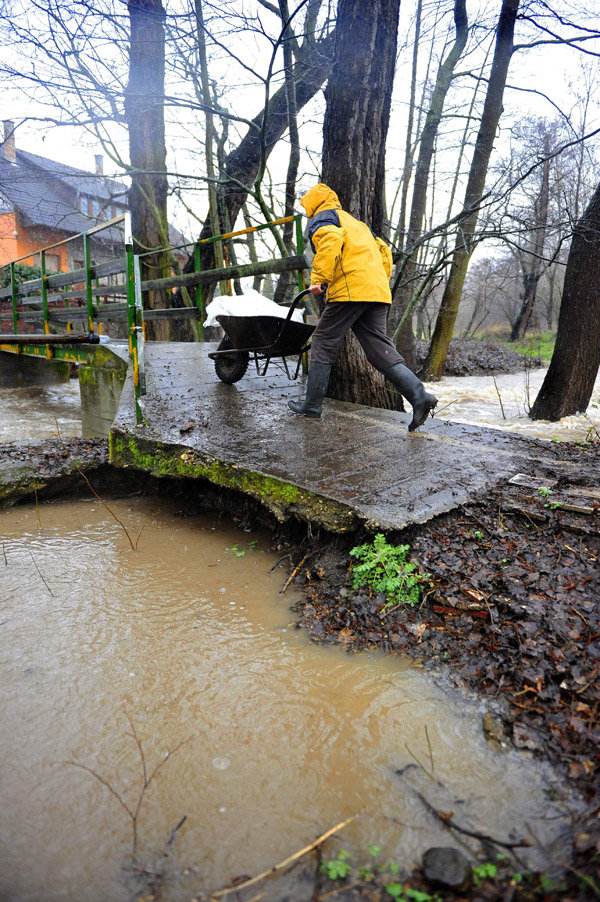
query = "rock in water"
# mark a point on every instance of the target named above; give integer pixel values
(447, 866)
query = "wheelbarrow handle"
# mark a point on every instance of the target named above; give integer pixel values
(297, 300)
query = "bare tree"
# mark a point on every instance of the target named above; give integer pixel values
(404, 288)
(436, 358)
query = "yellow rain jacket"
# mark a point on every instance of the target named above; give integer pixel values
(355, 265)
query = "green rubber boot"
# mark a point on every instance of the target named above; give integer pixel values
(413, 390)
(316, 386)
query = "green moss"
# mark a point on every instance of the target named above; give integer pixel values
(280, 497)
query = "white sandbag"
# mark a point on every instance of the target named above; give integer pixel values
(252, 303)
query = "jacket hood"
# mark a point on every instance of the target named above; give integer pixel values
(320, 197)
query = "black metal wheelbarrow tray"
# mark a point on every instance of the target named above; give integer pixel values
(260, 338)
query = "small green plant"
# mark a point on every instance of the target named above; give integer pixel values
(385, 568)
(545, 493)
(484, 871)
(337, 868)
(478, 535)
(407, 894)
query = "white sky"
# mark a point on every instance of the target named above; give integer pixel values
(548, 69)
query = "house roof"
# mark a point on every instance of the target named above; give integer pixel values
(31, 189)
(44, 192)
(98, 186)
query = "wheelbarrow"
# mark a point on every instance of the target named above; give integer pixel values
(260, 338)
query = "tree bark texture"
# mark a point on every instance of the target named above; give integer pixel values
(354, 135)
(464, 246)
(358, 97)
(144, 112)
(569, 382)
(404, 291)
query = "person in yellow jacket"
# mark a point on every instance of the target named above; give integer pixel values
(354, 267)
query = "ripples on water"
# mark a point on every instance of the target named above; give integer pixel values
(476, 400)
(287, 738)
(36, 413)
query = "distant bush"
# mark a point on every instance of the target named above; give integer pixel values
(23, 273)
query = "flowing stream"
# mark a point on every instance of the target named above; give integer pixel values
(183, 654)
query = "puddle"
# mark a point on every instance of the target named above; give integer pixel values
(272, 739)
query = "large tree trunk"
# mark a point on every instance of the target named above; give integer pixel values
(492, 110)
(144, 111)
(569, 382)
(354, 134)
(404, 291)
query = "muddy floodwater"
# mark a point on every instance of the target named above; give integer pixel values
(266, 739)
(35, 413)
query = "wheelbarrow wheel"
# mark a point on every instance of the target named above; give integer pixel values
(230, 368)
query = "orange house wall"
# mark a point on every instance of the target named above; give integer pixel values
(28, 241)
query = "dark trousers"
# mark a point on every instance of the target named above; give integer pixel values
(367, 319)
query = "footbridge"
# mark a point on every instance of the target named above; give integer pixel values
(167, 413)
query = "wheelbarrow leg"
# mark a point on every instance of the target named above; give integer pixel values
(316, 386)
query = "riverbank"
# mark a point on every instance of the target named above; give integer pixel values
(512, 617)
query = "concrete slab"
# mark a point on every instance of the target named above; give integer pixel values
(356, 465)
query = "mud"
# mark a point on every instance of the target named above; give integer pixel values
(513, 616)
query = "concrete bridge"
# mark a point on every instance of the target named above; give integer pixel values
(355, 466)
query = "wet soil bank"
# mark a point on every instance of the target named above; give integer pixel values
(479, 357)
(513, 616)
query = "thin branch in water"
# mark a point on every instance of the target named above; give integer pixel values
(430, 750)
(133, 544)
(287, 861)
(420, 763)
(133, 813)
(41, 575)
(499, 397)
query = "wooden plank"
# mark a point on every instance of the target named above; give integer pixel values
(284, 264)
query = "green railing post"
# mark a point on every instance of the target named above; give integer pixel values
(89, 297)
(13, 288)
(198, 290)
(45, 301)
(132, 331)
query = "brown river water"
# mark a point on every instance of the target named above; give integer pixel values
(265, 739)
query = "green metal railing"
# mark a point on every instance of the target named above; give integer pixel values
(45, 294)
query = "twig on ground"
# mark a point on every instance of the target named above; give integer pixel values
(295, 571)
(482, 837)
(283, 864)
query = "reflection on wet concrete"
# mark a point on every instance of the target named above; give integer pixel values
(287, 738)
(355, 465)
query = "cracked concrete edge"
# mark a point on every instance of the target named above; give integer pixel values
(283, 499)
